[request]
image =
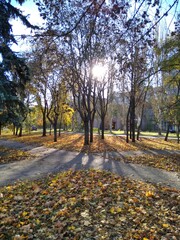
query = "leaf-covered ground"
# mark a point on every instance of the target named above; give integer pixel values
(169, 163)
(8, 155)
(74, 142)
(88, 205)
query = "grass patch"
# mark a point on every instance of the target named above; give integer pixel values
(88, 205)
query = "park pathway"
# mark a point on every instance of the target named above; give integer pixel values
(51, 160)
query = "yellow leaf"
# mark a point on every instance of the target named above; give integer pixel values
(25, 213)
(72, 200)
(37, 221)
(149, 194)
(100, 184)
(3, 209)
(9, 187)
(165, 225)
(112, 210)
(21, 223)
(118, 209)
(145, 238)
(71, 228)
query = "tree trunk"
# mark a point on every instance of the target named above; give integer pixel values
(132, 119)
(20, 131)
(127, 125)
(167, 133)
(16, 131)
(86, 132)
(138, 132)
(110, 125)
(44, 124)
(91, 131)
(178, 130)
(91, 125)
(14, 128)
(139, 126)
(159, 129)
(55, 130)
(141, 117)
(59, 128)
(102, 127)
(50, 128)
(130, 128)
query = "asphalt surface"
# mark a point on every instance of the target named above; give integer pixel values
(50, 160)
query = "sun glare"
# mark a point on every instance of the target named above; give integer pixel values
(99, 71)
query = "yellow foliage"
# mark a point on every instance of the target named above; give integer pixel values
(165, 225)
(24, 213)
(37, 221)
(115, 210)
(149, 194)
(71, 228)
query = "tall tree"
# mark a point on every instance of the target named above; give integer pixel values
(14, 72)
(170, 66)
(129, 27)
(105, 88)
(42, 61)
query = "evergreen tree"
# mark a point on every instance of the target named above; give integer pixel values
(14, 73)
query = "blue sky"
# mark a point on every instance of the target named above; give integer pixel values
(28, 8)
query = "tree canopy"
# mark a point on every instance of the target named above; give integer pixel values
(77, 36)
(14, 73)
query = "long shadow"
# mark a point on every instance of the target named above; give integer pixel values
(161, 152)
(114, 166)
(109, 146)
(18, 145)
(25, 169)
(71, 143)
(61, 160)
(147, 147)
(153, 175)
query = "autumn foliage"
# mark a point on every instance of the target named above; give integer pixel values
(88, 204)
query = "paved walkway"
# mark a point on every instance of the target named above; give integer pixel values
(50, 160)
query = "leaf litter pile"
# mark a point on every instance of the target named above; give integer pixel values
(88, 204)
(8, 155)
(170, 163)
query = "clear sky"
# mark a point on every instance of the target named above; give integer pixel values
(28, 8)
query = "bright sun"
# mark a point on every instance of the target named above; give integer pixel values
(99, 71)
